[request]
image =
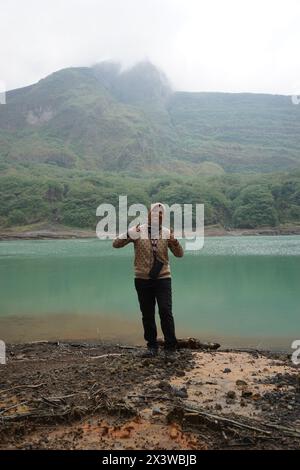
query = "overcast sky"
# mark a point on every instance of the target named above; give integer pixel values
(202, 45)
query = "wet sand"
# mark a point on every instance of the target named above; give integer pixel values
(93, 327)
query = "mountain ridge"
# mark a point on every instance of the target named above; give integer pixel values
(106, 118)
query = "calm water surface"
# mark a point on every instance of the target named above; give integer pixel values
(241, 291)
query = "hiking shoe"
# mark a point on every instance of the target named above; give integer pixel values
(150, 352)
(171, 355)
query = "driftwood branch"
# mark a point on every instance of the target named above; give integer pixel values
(222, 419)
(183, 343)
(106, 355)
(13, 406)
(22, 386)
(193, 343)
(195, 410)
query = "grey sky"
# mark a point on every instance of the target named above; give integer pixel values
(202, 45)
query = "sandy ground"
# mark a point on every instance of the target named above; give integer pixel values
(102, 396)
(235, 382)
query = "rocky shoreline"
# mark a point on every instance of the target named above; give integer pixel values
(74, 395)
(210, 231)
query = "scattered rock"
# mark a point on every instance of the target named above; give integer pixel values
(180, 392)
(164, 385)
(231, 395)
(156, 411)
(156, 390)
(256, 396)
(230, 401)
(246, 394)
(266, 407)
(20, 356)
(173, 433)
(180, 373)
(226, 370)
(241, 383)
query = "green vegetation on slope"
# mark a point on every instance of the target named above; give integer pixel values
(240, 132)
(43, 193)
(83, 136)
(103, 118)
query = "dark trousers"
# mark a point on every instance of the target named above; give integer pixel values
(149, 292)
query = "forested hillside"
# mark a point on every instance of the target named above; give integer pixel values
(103, 118)
(82, 136)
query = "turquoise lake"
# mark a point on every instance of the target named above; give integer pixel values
(240, 291)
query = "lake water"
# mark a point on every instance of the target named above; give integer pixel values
(240, 291)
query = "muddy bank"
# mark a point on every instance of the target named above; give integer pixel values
(101, 396)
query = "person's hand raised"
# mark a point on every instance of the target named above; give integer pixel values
(134, 232)
(173, 240)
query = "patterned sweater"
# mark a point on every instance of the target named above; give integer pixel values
(143, 259)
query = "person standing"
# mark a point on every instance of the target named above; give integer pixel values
(153, 281)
